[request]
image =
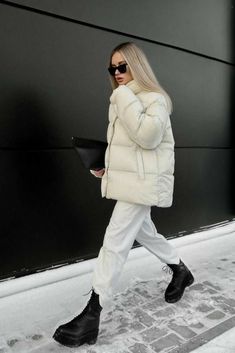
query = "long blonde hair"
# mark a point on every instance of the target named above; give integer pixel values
(140, 69)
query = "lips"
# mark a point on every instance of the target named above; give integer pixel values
(119, 79)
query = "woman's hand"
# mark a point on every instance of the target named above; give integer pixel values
(98, 173)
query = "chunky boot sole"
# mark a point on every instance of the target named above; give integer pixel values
(176, 299)
(89, 338)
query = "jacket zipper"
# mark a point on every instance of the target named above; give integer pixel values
(140, 163)
(113, 127)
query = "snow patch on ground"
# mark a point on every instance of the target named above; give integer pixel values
(139, 314)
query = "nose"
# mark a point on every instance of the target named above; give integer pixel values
(118, 72)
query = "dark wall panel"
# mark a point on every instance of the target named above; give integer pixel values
(203, 191)
(201, 26)
(48, 79)
(51, 210)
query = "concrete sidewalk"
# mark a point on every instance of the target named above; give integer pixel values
(140, 320)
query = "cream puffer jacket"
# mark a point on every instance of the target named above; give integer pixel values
(139, 160)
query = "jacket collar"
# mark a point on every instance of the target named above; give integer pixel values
(133, 86)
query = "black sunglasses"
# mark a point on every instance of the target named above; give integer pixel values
(121, 68)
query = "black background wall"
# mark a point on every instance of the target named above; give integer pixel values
(54, 84)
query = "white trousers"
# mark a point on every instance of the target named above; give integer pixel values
(128, 222)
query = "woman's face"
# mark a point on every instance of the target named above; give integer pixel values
(122, 79)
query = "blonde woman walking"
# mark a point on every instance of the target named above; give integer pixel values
(139, 167)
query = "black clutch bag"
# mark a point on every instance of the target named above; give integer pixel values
(91, 152)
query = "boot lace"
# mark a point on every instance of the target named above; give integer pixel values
(167, 269)
(88, 292)
(85, 309)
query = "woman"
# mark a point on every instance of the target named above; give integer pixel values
(139, 167)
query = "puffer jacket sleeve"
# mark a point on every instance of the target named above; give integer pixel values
(144, 126)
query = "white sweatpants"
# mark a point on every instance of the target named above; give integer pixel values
(128, 222)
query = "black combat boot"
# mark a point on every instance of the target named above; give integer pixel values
(84, 328)
(181, 279)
